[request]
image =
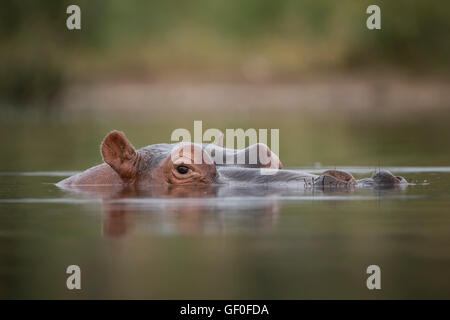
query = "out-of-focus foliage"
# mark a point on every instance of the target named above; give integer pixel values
(152, 38)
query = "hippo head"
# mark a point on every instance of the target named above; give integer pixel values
(181, 163)
(200, 164)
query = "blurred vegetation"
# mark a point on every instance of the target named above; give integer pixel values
(152, 39)
(72, 143)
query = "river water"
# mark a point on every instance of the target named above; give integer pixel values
(225, 242)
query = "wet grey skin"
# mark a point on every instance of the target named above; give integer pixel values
(231, 173)
(223, 157)
(382, 178)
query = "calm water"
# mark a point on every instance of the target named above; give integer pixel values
(224, 242)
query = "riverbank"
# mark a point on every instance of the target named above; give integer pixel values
(354, 95)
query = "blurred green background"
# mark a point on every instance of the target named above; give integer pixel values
(339, 93)
(157, 39)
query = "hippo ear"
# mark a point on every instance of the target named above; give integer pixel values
(119, 153)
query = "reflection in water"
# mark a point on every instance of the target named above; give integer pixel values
(202, 209)
(181, 209)
(264, 241)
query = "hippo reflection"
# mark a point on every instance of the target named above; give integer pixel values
(195, 164)
(187, 209)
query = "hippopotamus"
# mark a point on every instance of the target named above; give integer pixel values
(206, 164)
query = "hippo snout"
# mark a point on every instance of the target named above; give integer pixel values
(381, 178)
(384, 177)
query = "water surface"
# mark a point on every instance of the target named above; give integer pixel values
(225, 242)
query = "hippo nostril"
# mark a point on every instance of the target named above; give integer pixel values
(384, 177)
(182, 169)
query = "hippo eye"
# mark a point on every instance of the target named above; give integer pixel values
(182, 169)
